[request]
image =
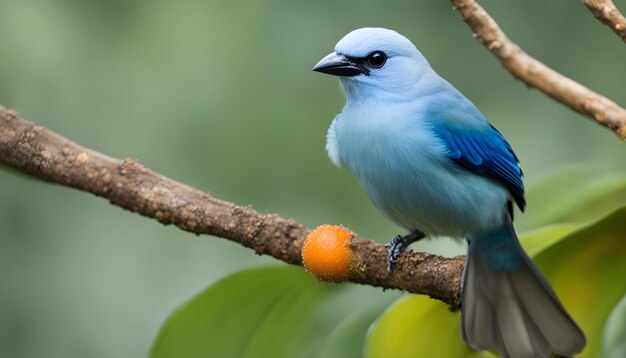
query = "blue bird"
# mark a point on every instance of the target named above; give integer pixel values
(432, 164)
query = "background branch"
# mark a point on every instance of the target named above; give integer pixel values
(535, 74)
(44, 154)
(608, 14)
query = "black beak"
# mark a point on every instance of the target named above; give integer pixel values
(339, 65)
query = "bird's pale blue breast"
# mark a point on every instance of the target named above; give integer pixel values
(403, 167)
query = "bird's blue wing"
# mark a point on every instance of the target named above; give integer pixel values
(477, 146)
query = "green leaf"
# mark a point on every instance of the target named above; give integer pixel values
(347, 339)
(585, 265)
(271, 312)
(417, 326)
(223, 320)
(575, 194)
(587, 269)
(540, 239)
(615, 332)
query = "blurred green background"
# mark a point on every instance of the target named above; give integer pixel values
(220, 95)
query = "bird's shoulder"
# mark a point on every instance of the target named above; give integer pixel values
(476, 145)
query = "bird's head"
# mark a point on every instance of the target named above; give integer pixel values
(375, 62)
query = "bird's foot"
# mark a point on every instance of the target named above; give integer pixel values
(398, 245)
(394, 248)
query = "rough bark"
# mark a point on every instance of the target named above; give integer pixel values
(126, 183)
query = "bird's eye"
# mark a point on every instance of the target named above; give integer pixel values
(377, 59)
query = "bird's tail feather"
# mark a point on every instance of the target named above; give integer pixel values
(509, 306)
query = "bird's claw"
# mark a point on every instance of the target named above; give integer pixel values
(398, 245)
(395, 247)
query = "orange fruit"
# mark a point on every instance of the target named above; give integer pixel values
(327, 253)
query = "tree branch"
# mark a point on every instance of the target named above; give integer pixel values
(608, 14)
(44, 154)
(535, 74)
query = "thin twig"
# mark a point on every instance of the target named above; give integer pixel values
(608, 14)
(44, 154)
(535, 74)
